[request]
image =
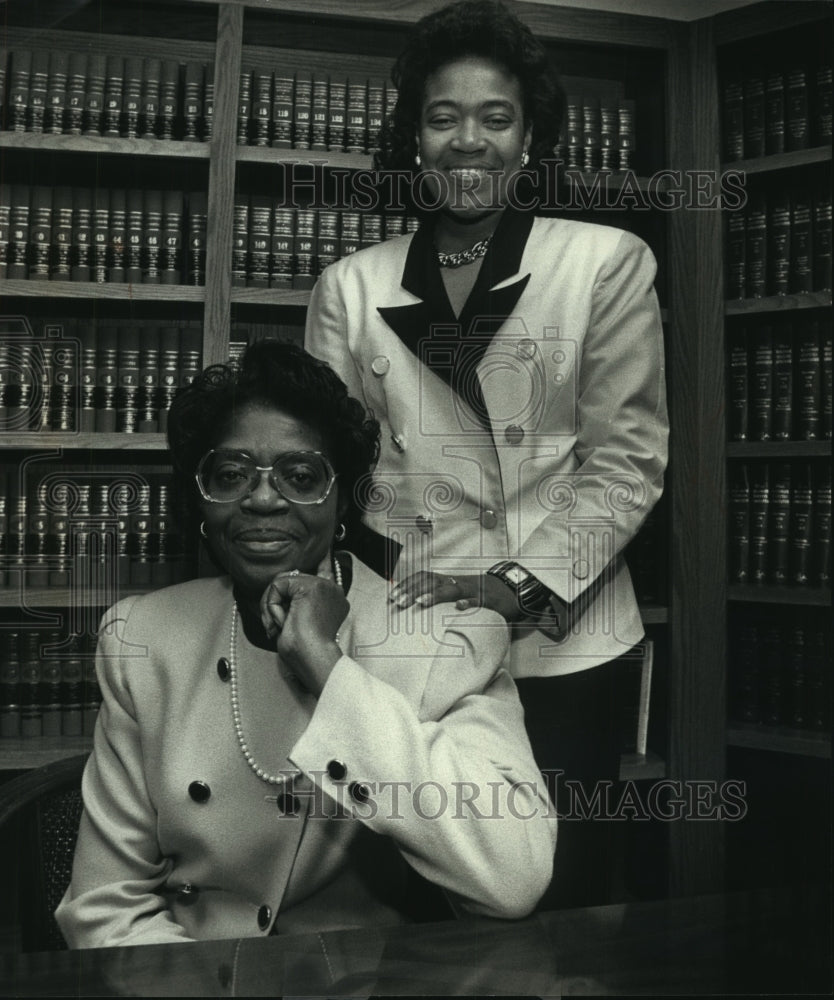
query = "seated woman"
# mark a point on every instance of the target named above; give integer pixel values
(277, 747)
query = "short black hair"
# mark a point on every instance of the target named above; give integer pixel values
(277, 374)
(483, 28)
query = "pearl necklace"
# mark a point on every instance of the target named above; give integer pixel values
(270, 779)
(461, 257)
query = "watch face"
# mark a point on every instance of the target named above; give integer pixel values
(516, 574)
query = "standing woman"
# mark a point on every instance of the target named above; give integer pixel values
(515, 364)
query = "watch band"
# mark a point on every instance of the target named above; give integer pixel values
(532, 595)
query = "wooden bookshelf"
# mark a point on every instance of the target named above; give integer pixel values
(779, 739)
(778, 303)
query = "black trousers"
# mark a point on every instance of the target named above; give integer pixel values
(574, 723)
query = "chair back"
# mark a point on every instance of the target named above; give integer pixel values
(40, 811)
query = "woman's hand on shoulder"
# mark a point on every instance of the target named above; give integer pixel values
(469, 591)
(304, 613)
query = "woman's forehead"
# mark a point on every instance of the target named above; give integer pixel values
(261, 428)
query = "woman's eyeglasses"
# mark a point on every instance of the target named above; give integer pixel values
(304, 477)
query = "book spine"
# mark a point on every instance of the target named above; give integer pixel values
(779, 244)
(37, 531)
(573, 131)
(169, 372)
(305, 248)
(608, 134)
(778, 528)
(809, 375)
(152, 238)
(261, 106)
(80, 529)
(282, 248)
(244, 105)
(208, 103)
(19, 80)
(101, 231)
(87, 373)
(90, 696)
(5, 224)
(732, 107)
(190, 355)
(134, 74)
(56, 98)
(282, 111)
(371, 230)
(740, 526)
(240, 240)
(76, 92)
(357, 116)
(107, 378)
(169, 106)
(591, 133)
(260, 226)
(148, 396)
(82, 235)
(59, 539)
(197, 225)
(71, 678)
(822, 116)
(41, 233)
(19, 232)
(94, 101)
(122, 496)
(17, 534)
(761, 396)
(782, 383)
(376, 113)
(802, 506)
(117, 236)
(822, 528)
(51, 689)
(163, 570)
(31, 709)
(114, 95)
(172, 221)
(10, 693)
(151, 87)
(134, 236)
(756, 253)
(318, 112)
(627, 134)
(796, 109)
(736, 255)
(821, 232)
(350, 237)
(827, 383)
(192, 101)
(127, 392)
(759, 515)
(327, 240)
(802, 271)
(65, 386)
(302, 110)
(4, 483)
(38, 90)
(140, 544)
(775, 112)
(337, 115)
(42, 357)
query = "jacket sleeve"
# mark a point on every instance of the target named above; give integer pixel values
(113, 897)
(621, 428)
(448, 772)
(326, 330)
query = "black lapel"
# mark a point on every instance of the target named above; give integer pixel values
(453, 346)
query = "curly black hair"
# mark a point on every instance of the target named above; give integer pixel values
(472, 28)
(276, 374)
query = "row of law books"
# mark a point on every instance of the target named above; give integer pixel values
(56, 92)
(48, 684)
(780, 524)
(780, 672)
(780, 243)
(768, 109)
(102, 235)
(94, 532)
(81, 376)
(780, 381)
(598, 133)
(278, 247)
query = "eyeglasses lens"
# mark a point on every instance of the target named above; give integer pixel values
(302, 477)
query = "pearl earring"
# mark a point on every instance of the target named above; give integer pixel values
(203, 531)
(418, 160)
(525, 158)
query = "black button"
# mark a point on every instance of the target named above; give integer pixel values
(199, 791)
(337, 770)
(359, 792)
(264, 916)
(223, 668)
(287, 803)
(224, 975)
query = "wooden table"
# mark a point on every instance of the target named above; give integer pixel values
(773, 943)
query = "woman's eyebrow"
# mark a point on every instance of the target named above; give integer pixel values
(497, 102)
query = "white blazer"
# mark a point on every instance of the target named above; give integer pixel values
(533, 427)
(181, 840)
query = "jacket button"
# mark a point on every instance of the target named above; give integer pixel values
(526, 348)
(199, 791)
(287, 803)
(488, 518)
(581, 569)
(359, 792)
(380, 365)
(264, 916)
(223, 668)
(423, 523)
(336, 770)
(514, 434)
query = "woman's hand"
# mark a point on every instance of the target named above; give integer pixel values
(305, 612)
(465, 592)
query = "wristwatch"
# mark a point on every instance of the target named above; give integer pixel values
(532, 595)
